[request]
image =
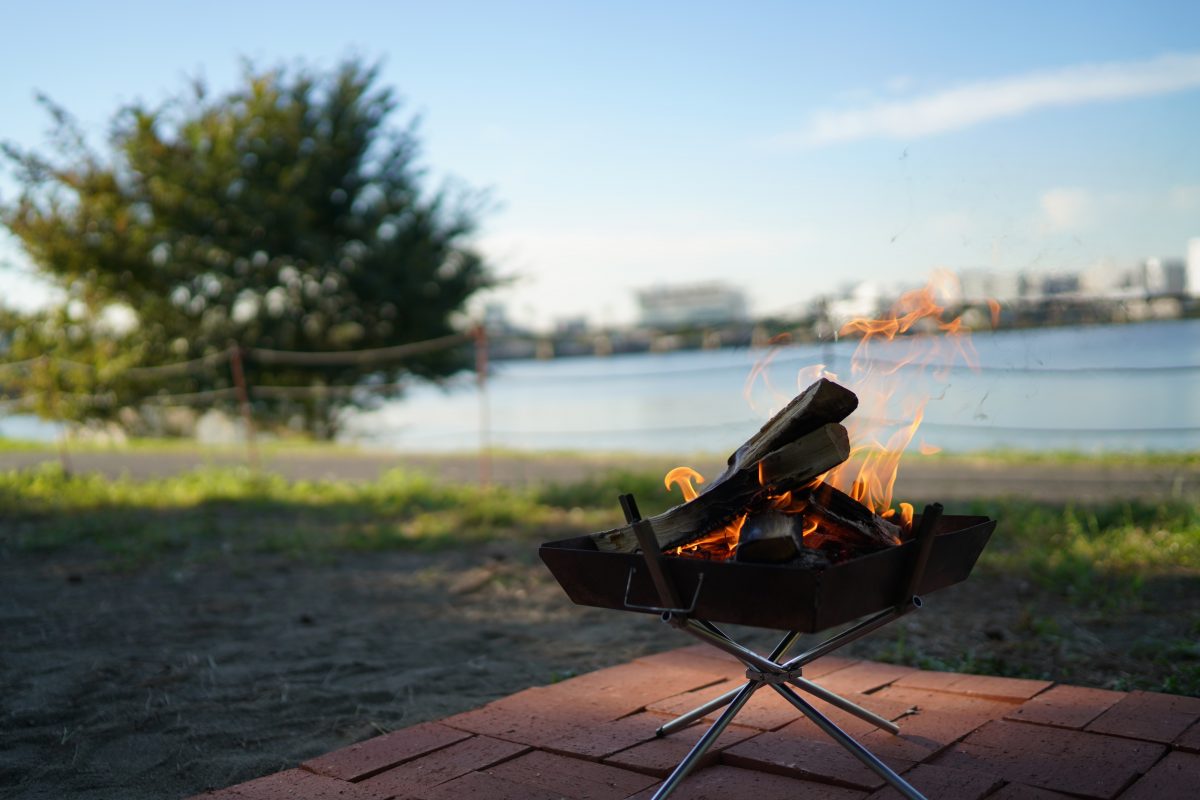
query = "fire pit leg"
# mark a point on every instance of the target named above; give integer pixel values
(681, 722)
(706, 741)
(869, 759)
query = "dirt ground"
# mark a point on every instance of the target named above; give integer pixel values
(181, 677)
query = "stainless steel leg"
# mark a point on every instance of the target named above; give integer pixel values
(706, 741)
(845, 705)
(682, 721)
(864, 755)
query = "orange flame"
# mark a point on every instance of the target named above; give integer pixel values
(869, 476)
(683, 477)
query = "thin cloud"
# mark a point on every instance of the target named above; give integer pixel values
(976, 103)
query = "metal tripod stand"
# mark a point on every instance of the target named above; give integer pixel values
(784, 677)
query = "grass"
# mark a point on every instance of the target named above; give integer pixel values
(1126, 574)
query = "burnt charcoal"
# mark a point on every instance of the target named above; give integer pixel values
(769, 537)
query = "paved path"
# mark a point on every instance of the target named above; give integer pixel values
(921, 479)
(963, 737)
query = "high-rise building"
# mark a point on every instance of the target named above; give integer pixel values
(1193, 267)
(691, 304)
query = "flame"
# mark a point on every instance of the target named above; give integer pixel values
(869, 476)
(926, 449)
(885, 386)
(683, 477)
(994, 307)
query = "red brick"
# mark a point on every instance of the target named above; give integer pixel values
(929, 680)
(924, 734)
(864, 677)
(618, 691)
(766, 710)
(729, 783)
(443, 765)
(943, 783)
(1146, 715)
(1176, 777)
(716, 663)
(364, 759)
(1012, 689)
(1065, 707)
(661, 755)
(1019, 791)
(1189, 740)
(827, 665)
(604, 739)
(571, 777)
(807, 758)
(298, 784)
(850, 723)
(481, 786)
(529, 717)
(924, 700)
(1053, 758)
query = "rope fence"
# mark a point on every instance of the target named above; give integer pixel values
(243, 393)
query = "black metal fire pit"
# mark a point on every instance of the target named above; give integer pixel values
(769, 595)
(690, 594)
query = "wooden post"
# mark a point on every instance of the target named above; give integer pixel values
(243, 394)
(485, 420)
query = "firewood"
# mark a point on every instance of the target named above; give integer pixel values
(836, 509)
(784, 466)
(768, 537)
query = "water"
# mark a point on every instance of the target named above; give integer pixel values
(1116, 389)
(1115, 393)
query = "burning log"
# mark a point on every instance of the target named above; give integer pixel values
(798, 444)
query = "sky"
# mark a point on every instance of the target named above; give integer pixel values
(786, 148)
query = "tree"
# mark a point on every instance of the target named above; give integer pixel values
(287, 214)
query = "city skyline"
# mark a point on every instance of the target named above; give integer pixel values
(788, 149)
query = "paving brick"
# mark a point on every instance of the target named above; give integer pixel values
(1145, 715)
(786, 754)
(366, 758)
(924, 733)
(730, 783)
(943, 783)
(766, 710)
(528, 717)
(299, 784)
(618, 691)
(1065, 706)
(850, 723)
(1053, 758)
(571, 777)
(1011, 689)
(828, 665)
(604, 739)
(481, 786)
(1176, 777)
(719, 665)
(924, 699)
(1019, 791)
(863, 678)
(661, 755)
(443, 765)
(1189, 740)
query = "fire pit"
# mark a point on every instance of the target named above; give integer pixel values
(770, 545)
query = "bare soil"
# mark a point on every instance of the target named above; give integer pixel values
(180, 677)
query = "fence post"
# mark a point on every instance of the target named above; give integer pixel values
(243, 394)
(485, 422)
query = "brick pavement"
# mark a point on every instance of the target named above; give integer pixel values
(963, 737)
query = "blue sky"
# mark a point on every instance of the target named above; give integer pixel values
(785, 147)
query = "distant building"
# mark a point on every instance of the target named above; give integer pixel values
(1192, 282)
(1162, 276)
(979, 285)
(690, 305)
(866, 299)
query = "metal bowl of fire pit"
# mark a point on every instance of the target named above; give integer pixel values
(779, 596)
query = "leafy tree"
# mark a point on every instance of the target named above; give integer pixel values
(287, 214)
